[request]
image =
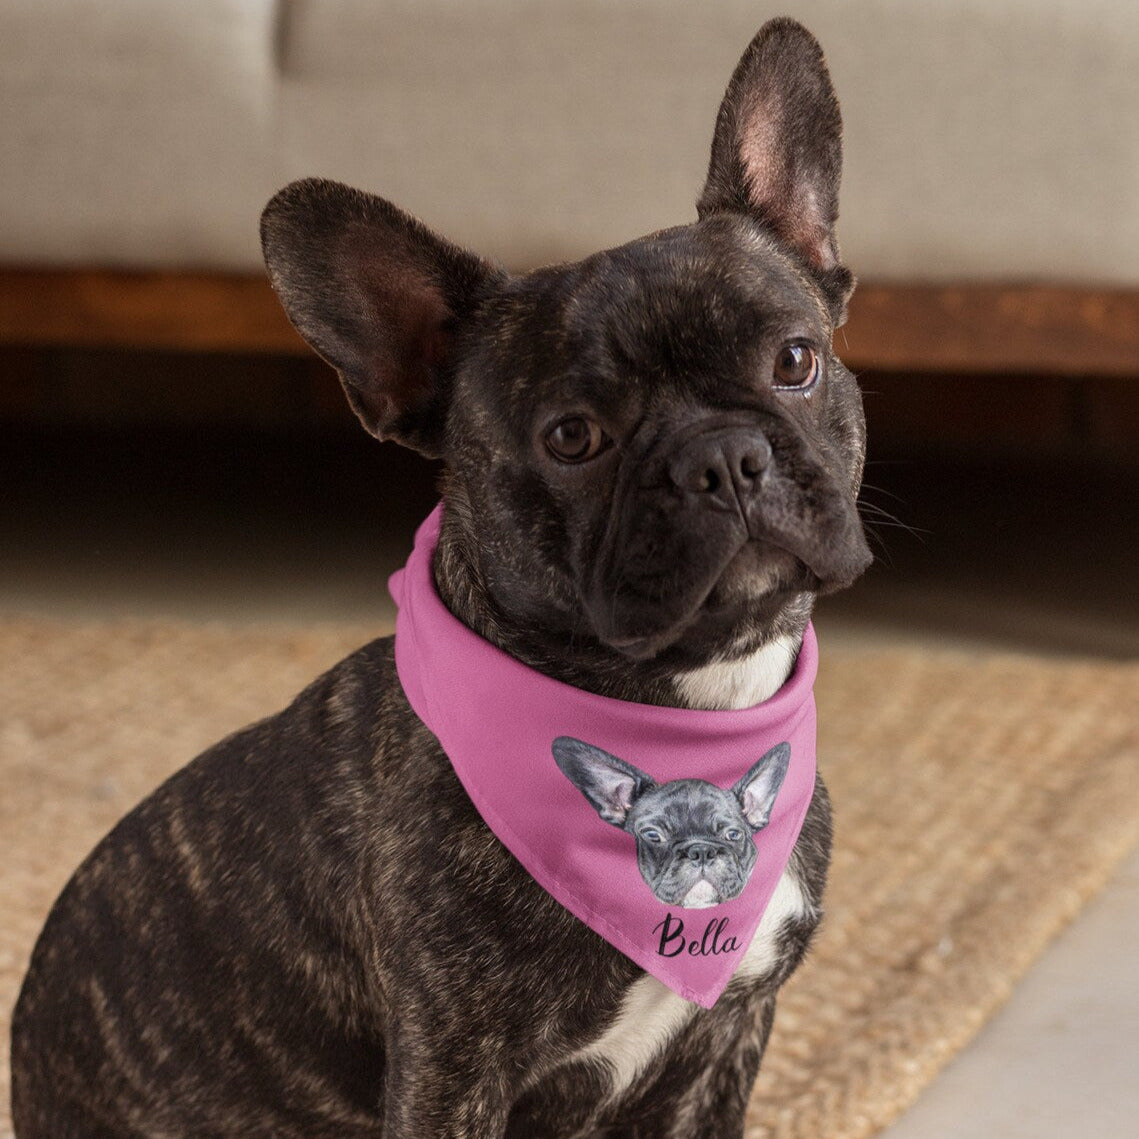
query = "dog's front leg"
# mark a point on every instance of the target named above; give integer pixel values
(435, 1095)
(714, 1105)
(702, 1090)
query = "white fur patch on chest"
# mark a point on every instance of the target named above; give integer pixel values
(652, 1014)
(739, 683)
(789, 903)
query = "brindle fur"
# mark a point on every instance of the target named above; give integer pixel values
(309, 931)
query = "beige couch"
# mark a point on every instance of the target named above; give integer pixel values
(990, 143)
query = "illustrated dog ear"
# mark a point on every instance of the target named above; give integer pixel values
(379, 296)
(758, 789)
(610, 784)
(777, 151)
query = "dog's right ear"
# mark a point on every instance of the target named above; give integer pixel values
(610, 784)
(379, 296)
(777, 151)
(758, 789)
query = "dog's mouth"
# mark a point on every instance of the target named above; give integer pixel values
(666, 575)
(701, 896)
(712, 886)
(757, 574)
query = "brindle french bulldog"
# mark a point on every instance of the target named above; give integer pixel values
(652, 460)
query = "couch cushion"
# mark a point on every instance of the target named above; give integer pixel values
(134, 133)
(986, 139)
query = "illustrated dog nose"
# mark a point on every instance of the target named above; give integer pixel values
(726, 467)
(700, 852)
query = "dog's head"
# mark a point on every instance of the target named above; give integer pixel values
(694, 839)
(654, 450)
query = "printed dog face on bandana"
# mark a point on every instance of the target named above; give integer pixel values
(694, 840)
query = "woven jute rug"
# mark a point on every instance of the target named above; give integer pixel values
(979, 802)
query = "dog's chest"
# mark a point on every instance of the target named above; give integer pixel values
(739, 683)
(652, 1015)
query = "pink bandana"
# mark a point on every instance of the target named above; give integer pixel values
(665, 830)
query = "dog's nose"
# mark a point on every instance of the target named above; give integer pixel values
(700, 852)
(724, 468)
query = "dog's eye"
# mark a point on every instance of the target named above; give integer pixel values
(733, 834)
(651, 834)
(575, 440)
(796, 366)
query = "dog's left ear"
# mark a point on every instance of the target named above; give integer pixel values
(758, 789)
(379, 296)
(777, 151)
(610, 784)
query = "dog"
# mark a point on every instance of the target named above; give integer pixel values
(694, 839)
(652, 459)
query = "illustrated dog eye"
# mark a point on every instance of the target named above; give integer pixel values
(651, 834)
(733, 834)
(796, 366)
(575, 440)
